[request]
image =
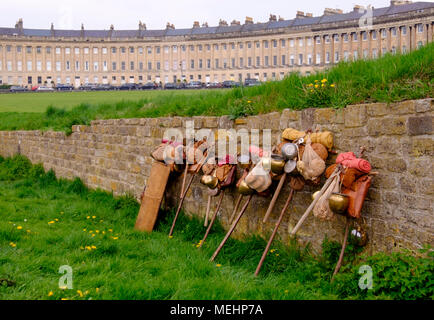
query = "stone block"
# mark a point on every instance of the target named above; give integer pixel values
(355, 116)
(420, 125)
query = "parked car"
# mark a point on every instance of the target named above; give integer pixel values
(251, 82)
(170, 86)
(104, 87)
(34, 88)
(194, 85)
(44, 89)
(148, 86)
(230, 84)
(87, 87)
(64, 87)
(214, 85)
(18, 89)
(128, 86)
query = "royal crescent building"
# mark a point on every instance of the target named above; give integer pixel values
(230, 51)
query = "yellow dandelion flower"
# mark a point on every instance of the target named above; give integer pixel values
(64, 299)
(19, 227)
(51, 222)
(332, 85)
(103, 232)
(57, 220)
(316, 81)
(218, 266)
(93, 247)
(277, 254)
(110, 230)
(97, 231)
(310, 84)
(316, 86)
(94, 217)
(88, 217)
(286, 291)
(93, 235)
(84, 230)
(28, 231)
(13, 245)
(97, 289)
(170, 237)
(324, 80)
(273, 250)
(86, 292)
(323, 85)
(80, 293)
(115, 238)
(50, 293)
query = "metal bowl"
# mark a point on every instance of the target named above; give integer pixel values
(360, 237)
(290, 166)
(209, 181)
(244, 189)
(339, 203)
(277, 164)
(290, 151)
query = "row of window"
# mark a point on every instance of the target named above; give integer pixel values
(218, 64)
(216, 47)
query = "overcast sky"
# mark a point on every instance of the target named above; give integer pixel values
(125, 14)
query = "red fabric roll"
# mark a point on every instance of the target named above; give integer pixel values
(350, 160)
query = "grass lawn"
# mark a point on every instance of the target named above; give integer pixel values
(39, 101)
(47, 223)
(391, 78)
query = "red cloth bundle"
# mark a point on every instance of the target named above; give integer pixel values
(350, 160)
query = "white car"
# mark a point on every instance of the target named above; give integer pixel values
(45, 89)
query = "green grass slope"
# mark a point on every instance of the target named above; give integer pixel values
(46, 223)
(388, 79)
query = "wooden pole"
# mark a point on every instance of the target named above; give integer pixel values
(234, 225)
(279, 222)
(237, 205)
(213, 219)
(309, 210)
(181, 202)
(344, 246)
(184, 180)
(275, 197)
(208, 208)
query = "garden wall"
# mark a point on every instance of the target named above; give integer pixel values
(114, 155)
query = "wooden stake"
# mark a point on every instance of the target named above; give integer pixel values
(213, 218)
(344, 246)
(267, 248)
(208, 208)
(181, 202)
(312, 206)
(234, 225)
(275, 197)
(237, 205)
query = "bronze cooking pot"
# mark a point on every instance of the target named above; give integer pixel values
(289, 151)
(277, 164)
(210, 181)
(244, 189)
(339, 203)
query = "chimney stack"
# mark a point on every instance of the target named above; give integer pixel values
(281, 18)
(196, 24)
(309, 15)
(19, 26)
(300, 14)
(223, 23)
(272, 17)
(205, 25)
(170, 26)
(399, 2)
(249, 20)
(235, 23)
(330, 11)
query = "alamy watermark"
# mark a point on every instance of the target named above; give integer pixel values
(66, 281)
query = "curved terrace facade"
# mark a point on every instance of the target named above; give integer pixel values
(235, 51)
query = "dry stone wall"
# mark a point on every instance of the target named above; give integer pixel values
(114, 155)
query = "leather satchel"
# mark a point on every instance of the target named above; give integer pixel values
(357, 193)
(230, 178)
